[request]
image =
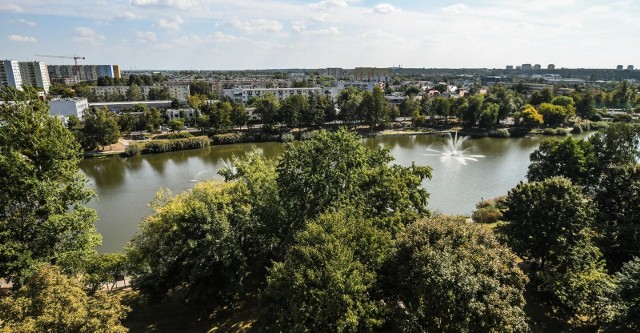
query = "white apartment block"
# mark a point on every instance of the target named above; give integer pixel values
(86, 72)
(244, 95)
(65, 107)
(34, 73)
(171, 114)
(10, 74)
(179, 92)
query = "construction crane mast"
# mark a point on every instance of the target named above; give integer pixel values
(75, 60)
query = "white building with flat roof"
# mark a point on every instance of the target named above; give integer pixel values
(179, 92)
(10, 74)
(67, 107)
(243, 95)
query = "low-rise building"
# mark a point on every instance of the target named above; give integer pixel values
(64, 108)
(119, 106)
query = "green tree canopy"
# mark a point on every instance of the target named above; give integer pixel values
(43, 216)
(51, 302)
(449, 276)
(193, 241)
(100, 128)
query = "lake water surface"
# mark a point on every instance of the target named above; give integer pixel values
(125, 186)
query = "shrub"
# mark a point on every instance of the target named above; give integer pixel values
(287, 137)
(549, 131)
(596, 117)
(500, 133)
(307, 135)
(577, 129)
(163, 146)
(487, 215)
(179, 135)
(228, 138)
(561, 131)
(599, 125)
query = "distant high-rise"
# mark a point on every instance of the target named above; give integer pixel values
(551, 67)
(509, 67)
(372, 74)
(34, 73)
(526, 67)
(86, 72)
(620, 67)
(335, 72)
(10, 74)
(630, 67)
(537, 67)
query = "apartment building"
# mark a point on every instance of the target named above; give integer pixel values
(34, 73)
(371, 74)
(10, 74)
(59, 73)
(244, 95)
(63, 108)
(179, 92)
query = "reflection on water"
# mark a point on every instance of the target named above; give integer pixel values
(125, 186)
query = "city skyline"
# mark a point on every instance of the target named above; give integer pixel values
(250, 34)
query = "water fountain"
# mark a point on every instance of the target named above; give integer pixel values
(452, 149)
(200, 173)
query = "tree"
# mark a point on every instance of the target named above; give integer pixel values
(543, 96)
(292, 109)
(327, 279)
(193, 241)
(200, 88)
(449, 276)
(103, 268)
(489, 115)
(317, 109)
(623, 95)
(268, 107)
(585, 105)
(334, 168)
(152, 119)
(553, 115)
(441, 107)
(176, 124)
(349, 104)
(471, 113)
(52, 302)
(43, 217)
(134, 93)
(555, 211)
(625, 298)
(161, 93)
(618, 199)
(569, 158)
(408, 107)
(100, 128)
(530, 118)
(239, 116)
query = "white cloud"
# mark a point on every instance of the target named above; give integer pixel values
(329, 4)
(385, 8)
(148, 36)
(256, 26)
(173, 24)
(25, 22)
(88, 35)
(221, 37)
(319, 32)
(11, 7)
(178, 4)
(22, 39)
(127, 16)
(455, 8)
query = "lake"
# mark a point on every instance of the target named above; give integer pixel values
(125, 186)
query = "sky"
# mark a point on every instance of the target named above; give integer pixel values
(265, 34)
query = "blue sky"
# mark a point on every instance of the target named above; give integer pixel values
(259, 34)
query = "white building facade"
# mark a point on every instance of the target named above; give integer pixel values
(10, 74)
(35, 73)
(179, 92)
(242, 95)
(65, 107)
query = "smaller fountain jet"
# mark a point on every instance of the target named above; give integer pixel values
(452, 149)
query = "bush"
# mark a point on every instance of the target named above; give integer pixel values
(577, 129)
(562, 131)
(228, 138)
(163, 146)
(487, 215)
(287, 137)
(596, 117)
(549, 131)
(599, 125)
(307, 135)
(555, 131)
(500, 133)
(179, 135)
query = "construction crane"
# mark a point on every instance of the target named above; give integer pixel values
(75, 60)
